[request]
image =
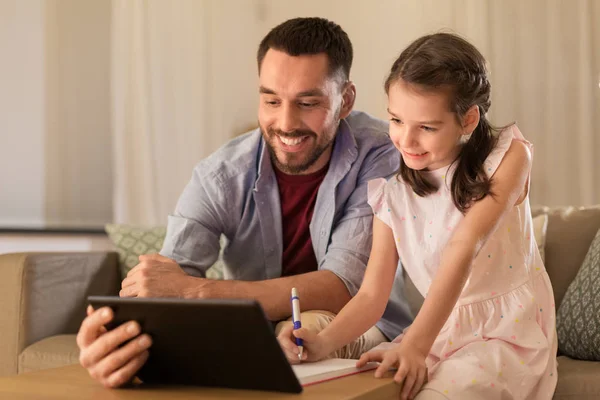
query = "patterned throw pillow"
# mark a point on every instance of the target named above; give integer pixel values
(132, 241)
(578, 318)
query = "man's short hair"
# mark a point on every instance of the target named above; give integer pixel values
(305, 36)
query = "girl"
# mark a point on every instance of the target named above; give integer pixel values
(457, 216)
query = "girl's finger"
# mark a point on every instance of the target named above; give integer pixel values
(421, 375)
(369, 356)
(389, 360)
(408, 384)
(401, 373)
(286, 341)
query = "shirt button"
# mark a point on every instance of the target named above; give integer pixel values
(322, 233)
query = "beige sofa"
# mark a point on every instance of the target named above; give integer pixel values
(43, 297)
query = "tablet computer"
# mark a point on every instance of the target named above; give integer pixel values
(220, 343)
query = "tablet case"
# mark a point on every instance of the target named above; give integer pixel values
(220, 343)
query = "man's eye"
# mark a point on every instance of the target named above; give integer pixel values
(308, 105)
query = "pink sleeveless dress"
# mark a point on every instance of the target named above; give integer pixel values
(500, 340)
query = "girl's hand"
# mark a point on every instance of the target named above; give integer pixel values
(410, 365)
(315, 346)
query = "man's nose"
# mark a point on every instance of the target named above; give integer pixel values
(289, 119)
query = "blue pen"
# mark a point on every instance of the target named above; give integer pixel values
(296, 319)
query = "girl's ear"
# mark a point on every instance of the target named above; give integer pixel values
(470, 120)
(348, 97)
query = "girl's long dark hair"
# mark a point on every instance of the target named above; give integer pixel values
(447, 63)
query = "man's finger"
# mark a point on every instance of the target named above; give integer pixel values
(91, 326)
(120, 357)
(128, 371)
(128, 281)
(153, 257)
(108, 343)
(143, 264)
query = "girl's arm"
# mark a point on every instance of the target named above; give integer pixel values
(509, 188)
(366, 308)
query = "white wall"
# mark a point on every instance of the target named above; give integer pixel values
(22, 113)
(55, 158)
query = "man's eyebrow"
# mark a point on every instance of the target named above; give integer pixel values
(265, 90)
(311, 93)
(306, 93)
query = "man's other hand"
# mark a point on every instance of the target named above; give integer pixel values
(158, 276)
(104, 354)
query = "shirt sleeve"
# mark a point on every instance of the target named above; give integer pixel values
(351, 239)
(194, 229)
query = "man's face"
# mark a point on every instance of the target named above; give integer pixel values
(299, 112)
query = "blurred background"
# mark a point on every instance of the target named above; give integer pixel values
(106, 106)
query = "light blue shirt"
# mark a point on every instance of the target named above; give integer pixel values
(234, 193)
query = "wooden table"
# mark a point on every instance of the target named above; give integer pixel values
(73, 382)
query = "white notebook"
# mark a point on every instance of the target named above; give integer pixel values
(309, 373)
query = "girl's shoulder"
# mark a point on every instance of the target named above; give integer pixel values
(381, 190)
(504, 141)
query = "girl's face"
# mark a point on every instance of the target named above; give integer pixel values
(422, 128)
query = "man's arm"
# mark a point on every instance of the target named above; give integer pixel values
(319, 290)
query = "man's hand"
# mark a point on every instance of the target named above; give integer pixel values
(158, 276)
(100, 351)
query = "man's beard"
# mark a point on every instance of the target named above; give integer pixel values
(295, 169)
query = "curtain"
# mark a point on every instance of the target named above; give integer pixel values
(159, 83)
(184, 82)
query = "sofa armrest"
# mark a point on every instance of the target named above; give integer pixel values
(44, 294)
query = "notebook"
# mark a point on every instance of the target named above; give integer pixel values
(321, 371)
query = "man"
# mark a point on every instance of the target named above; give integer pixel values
(290, 197)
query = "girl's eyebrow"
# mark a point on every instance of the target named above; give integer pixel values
(433, 122)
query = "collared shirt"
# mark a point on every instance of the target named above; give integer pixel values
(234, 193)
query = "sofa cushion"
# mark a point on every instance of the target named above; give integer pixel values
(52, 352)
(132, 241)
(568, 238)
(578, 317)
(577, 380)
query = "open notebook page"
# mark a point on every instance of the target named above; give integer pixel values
(325, 370)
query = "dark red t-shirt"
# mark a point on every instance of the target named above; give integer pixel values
(298, 194)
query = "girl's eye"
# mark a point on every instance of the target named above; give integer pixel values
(396, 120)
(428, 128)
